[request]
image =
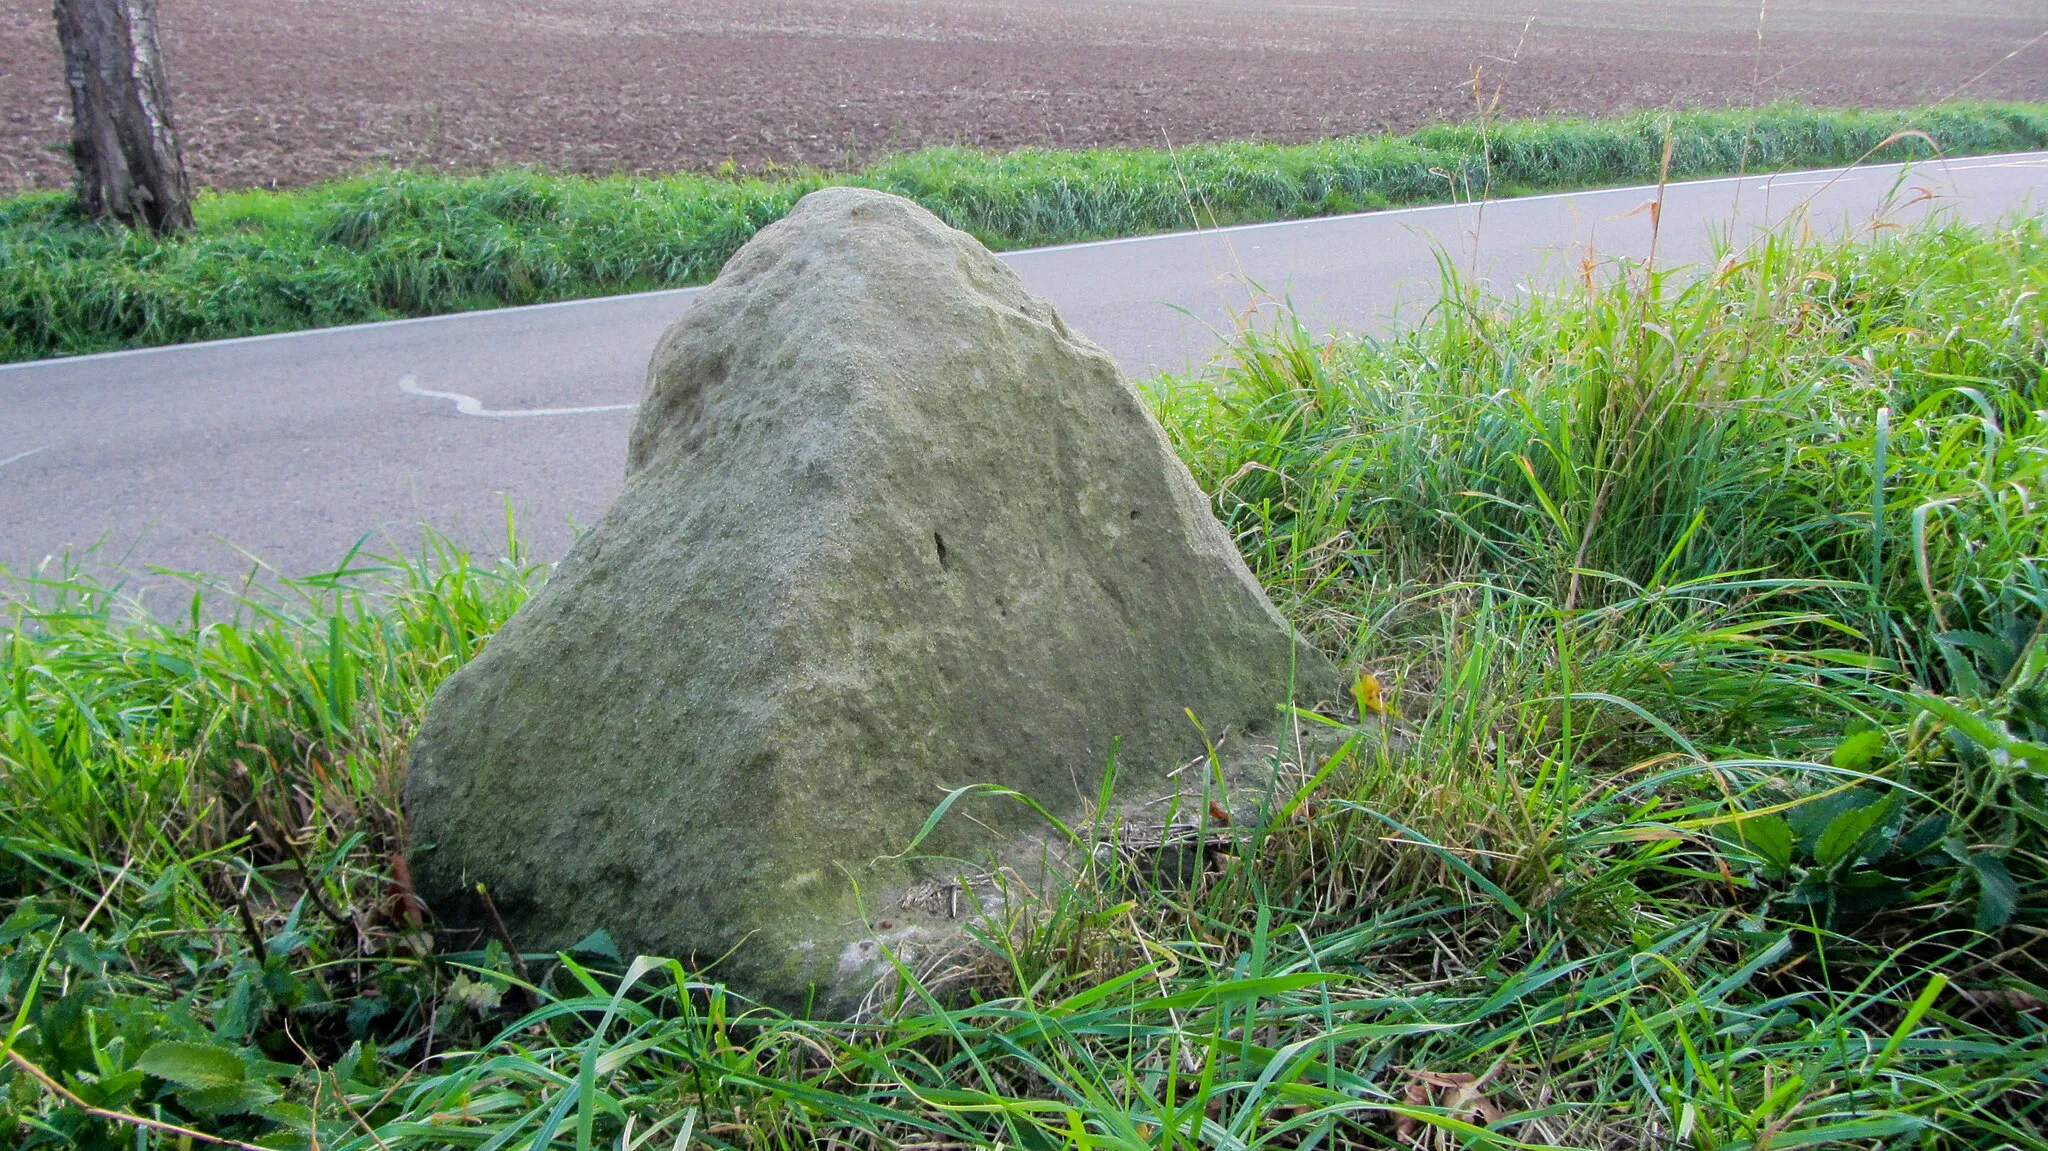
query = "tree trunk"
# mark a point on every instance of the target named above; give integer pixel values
(129, 166)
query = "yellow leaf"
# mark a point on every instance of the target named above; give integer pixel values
(1371, 697)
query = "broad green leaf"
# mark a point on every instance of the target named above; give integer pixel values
(234, 1099)
(1770, 837)
(1840, 843)
(113, 1091)
(26, 918)
(1856, 752)
(345, 1068)
(1991, 647)
(281, 985)
(1812, 890)
(117, 1091)
(197, 1066)
(1925, 836)
(1996, 742)
(1998, 896)
(1973, 726)
(1812, 816)
(1866, 890)
(598, 943)
(237, 1016)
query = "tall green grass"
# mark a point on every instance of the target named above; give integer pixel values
(1696, 795)
(398, 244)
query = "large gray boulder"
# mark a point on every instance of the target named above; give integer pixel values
(889, 527)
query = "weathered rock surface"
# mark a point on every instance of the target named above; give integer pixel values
(889, 527)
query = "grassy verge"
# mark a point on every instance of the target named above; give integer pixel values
(398, 244)
(1709, 617)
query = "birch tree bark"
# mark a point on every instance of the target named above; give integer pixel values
(129, 166)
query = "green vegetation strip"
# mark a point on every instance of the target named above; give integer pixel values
(1700, 796)
(399, 244)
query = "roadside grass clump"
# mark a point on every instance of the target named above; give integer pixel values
(1694, 793)
(397, 244)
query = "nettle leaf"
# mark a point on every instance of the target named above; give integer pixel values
(283, 987)
(1924, 838)
(1812, 816)
(82, 952)
(1812, 890)
(234, 1099)
(598, 943)
(356, 1070)
(26, 918)
(1992, 739)
(1770, 837)
(197, 1066)
(1856, 752)
(236, 1016)
(296, 1116)
(1961, 721)
(1864, 891)
(117, 1091)
(1998, 896)
(1842, 841)
(1995, 649)
(364, 1011)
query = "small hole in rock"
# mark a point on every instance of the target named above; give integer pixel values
(939, 545)
(1134, 513)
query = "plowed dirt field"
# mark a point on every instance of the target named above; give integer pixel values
(291, 91)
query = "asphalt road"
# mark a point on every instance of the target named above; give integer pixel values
(290, 449)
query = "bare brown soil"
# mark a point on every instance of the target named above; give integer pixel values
(292, 91)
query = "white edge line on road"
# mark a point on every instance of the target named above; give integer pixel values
(1781, 179)
(20, 456)
(2008, 159)
(305, 333)
(471, 406)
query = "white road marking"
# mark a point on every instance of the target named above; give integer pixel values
(1956, 167)
(19, 456)
(471, 406)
